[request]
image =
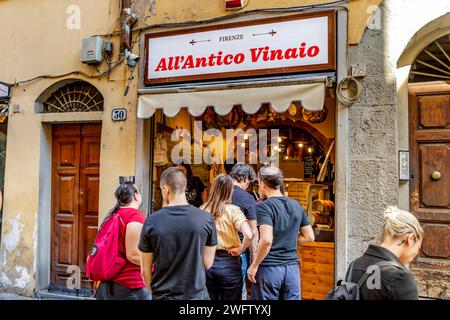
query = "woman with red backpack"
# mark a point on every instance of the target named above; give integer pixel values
(114, 258)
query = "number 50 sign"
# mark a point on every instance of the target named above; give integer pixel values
(119, 114)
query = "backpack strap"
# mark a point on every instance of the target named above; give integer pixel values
(348, 277)
(364, 278)
(120, 217)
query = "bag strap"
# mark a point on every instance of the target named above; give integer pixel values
(381, 264)
(115, 213)
(349, 275)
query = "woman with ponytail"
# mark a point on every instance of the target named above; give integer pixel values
(224, 278)
(128, 283)
(387, 262)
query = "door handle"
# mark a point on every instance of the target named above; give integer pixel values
(436, 175)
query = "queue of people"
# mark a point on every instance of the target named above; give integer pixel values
(200, 248)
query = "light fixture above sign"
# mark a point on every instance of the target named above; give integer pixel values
(5, 91)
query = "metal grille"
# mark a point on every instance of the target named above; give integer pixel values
(433, 63)
(75, 97)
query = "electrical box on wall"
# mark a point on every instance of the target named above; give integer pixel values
(92, 49)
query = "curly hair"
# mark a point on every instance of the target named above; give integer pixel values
(242, 171)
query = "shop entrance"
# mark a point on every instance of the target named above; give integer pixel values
(305, 151)
(75, 191)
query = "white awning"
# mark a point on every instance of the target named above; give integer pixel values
(311, 96)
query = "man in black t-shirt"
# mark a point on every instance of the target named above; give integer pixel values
(180, 240)
(242, 175)
(282, 224)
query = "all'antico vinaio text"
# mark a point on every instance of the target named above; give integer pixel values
(218, 59)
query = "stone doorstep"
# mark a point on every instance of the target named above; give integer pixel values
(45, 295)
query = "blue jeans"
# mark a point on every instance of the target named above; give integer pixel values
(224, 278)
(277, 283)
(245, 258)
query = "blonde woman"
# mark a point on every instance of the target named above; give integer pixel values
(224, 278)
(399, 244)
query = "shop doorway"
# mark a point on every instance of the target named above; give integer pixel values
(429, 144)
(305, 147)
(75, 198)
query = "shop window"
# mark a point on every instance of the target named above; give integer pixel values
(74, 97)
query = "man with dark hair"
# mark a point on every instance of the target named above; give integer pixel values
(243, 175)
(174, 179)
(229, 164)
(282, 224)
(181, 240)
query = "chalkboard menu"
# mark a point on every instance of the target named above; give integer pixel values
(310, 165)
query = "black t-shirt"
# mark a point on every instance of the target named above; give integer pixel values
(245, 201)
(286, 216)
(177, 236)
(194, 190)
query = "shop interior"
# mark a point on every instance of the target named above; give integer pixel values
(306, 156)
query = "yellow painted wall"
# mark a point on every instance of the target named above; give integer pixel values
(35, 42)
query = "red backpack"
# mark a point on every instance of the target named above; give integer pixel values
(104, 261)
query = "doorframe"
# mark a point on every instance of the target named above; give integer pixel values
(44, 214)
(144, 159)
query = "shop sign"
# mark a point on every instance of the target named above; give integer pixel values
(295, 43)
(5, 91)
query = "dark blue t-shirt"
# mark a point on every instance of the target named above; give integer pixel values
(177, 236)
(286, 216)
(245, 201)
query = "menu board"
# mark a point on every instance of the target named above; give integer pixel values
(298, 191)
(310, 165)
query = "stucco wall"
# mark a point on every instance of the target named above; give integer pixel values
(39, 43)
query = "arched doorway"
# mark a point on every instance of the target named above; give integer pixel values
(429, 146)
(75, 177)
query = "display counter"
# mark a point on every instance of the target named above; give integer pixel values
(316, 269)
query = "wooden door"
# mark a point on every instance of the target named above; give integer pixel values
(75, 187)
(429, 143)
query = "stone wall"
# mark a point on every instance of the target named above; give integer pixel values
(373, 179)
